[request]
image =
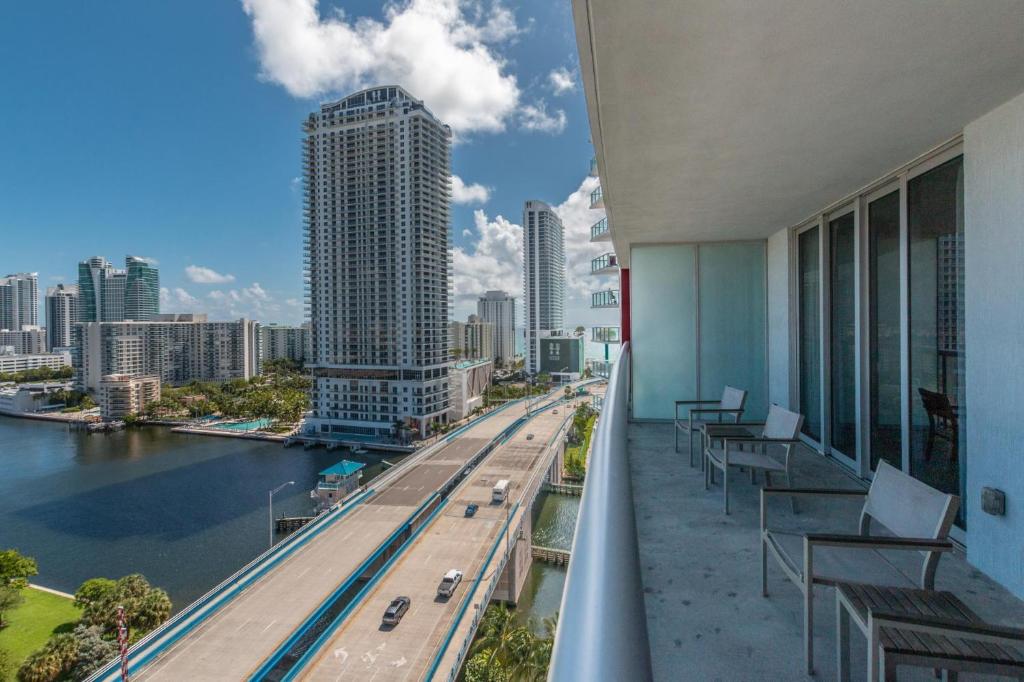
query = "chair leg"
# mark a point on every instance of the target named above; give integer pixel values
(764, 566)
(809, 627)
(689, 440)
(725, 487)
(842, 642)
(675, 428)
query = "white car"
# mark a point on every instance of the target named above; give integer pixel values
(449, 582)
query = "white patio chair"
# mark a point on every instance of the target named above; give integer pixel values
(780, 430)
(917, 516)
(731, 403)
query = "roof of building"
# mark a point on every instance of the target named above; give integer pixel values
(466, 364)
(343, 468)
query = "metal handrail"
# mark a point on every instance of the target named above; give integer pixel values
(602, 626)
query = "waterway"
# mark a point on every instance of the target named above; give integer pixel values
(186, 511)
(554, 523)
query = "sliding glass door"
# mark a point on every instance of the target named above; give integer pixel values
(843, 334)
(809, 332)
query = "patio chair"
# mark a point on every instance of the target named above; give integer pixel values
(731, 403)
(943, 422)
(917, 516)
(781, 428)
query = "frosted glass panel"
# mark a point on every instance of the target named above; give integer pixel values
(664, 322)
(732, 323)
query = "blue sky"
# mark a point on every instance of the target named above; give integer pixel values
(171, 131)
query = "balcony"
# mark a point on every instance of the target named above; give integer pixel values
(593, 167)
(605, 299)
(661, 581)
(605, 335)
(597, 198)
(599, 231)
(606, 264)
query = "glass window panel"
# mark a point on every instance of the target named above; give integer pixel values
(884, 329)
(842, 326)
(935, 230)
(810, 332)
(732, 322)
(664, 321)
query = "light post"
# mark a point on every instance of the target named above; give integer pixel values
(270, 497)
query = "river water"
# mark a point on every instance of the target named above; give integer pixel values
(554, 522)
(186, 511)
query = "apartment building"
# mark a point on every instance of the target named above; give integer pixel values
(543, 277)
(19, 300)
(108, 294)
(13, 362)
(377, 175)
(283, 342)
(29, 340)
(123, 395)
(473, 339)
(499, 309)
(176, 352)
(61, 315)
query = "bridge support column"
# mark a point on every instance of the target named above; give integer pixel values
(513, 576)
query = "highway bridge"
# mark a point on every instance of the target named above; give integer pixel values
(311, 607)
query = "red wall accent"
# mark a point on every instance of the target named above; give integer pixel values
(624, 297)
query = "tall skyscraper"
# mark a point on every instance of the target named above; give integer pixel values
(498, 308)
(19, 300)
(378, 188)
(61, 315)
(142, 290)
(543, 277)
(107, 294)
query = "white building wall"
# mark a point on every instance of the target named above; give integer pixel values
(994, 216)
(778, 319)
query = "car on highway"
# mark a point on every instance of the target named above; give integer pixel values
(529, 436)
(471, 509)
(396, 609)
(449, 582)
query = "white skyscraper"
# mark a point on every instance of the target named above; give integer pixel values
(19, 300)
(61, 315)
(543, 277)
(378, 187)
(498, 308)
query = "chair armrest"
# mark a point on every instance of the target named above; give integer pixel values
(757, 439)
(946, 627)
(877, 542)
(697, 402)
(811, 492)
(715, 410)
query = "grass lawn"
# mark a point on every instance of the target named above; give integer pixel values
(32, 623)
(579, 452)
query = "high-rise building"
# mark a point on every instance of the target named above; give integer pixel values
(142, 289)
(377, 174)
(471, 340)
(283, 342)
(61, 315)
(176, 352)
(543, 277)
(19, 300)
(28, 340)
(107, 294)
(498, 308)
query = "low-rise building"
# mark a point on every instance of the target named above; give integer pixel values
(33, 397)
(561, 357)
(17, 362)
(468, 381)
(122, 395)
(29, 340)
(337, 482)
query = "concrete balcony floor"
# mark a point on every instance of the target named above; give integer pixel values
(706, 617)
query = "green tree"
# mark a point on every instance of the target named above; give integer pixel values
(16, 568)
(56, 659)
(145, 606)
(10, 599)
(93, 650)
(6, 665)
(482, 667)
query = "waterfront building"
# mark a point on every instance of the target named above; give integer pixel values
(283, 342)
(469, 379)
(543, 277)
(337, 482)
(30, 397)
(561, 357)
(107, 294)
(499, 309)
(29, 340)
(377, 176)
(123, 395)
(19, 300)
(14, 362)
(61, 315)
(471, 340)
(176, 352)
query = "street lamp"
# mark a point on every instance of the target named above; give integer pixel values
(270, 496)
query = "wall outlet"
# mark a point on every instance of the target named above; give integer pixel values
(993, 501)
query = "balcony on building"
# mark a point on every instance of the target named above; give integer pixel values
(597, 198)
(605, 299)
(593, 167)
(605, 264)
(599, 231)
(835, 231)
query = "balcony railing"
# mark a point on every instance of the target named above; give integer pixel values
(604, 264)
(605, 299)
(602, 628)
(605, 335)
(593, 167)
(599, 231)
(597, 198)
(601, 368)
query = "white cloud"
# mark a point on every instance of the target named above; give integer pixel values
(444, 51)
(535, 117)
(577, 217)
(474, 193)
(180, 300)
(562, 80)
(494, 262)
(203, 275)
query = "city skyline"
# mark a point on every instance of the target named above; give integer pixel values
(218, 208)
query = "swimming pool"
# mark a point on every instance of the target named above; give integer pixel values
(245, 426)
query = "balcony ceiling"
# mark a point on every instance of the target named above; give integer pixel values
(730, 119)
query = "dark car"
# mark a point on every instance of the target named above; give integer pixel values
(396, 609)
(471, 509)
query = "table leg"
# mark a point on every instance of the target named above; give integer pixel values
(842, 641)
